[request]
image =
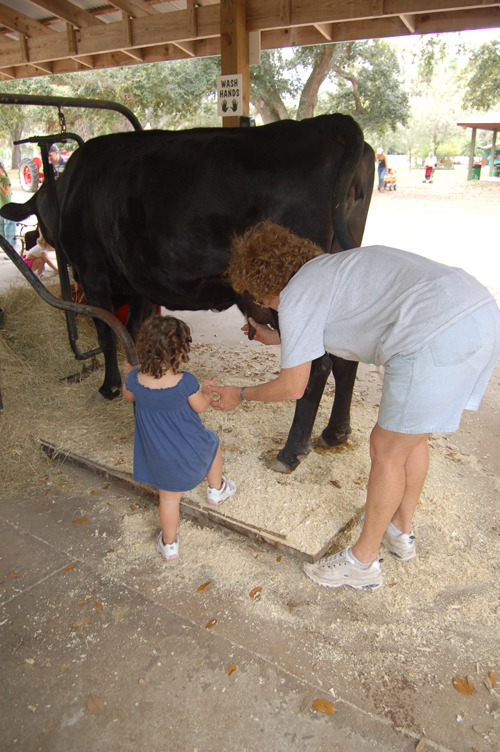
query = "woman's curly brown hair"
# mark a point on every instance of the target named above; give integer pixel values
(164, 342)
(266, 257)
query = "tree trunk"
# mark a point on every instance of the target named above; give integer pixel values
(270, 112)
(16, 150)
(309, 96)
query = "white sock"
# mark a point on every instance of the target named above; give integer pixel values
(360, 564)
(393, 530)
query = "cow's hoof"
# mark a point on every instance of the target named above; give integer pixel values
(328, 441)
(111, 395)
(279, 467)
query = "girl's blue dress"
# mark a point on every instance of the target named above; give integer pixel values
(173, 450)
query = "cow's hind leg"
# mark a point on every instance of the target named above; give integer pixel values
(339, 425)
(298, 444)
(139, 309)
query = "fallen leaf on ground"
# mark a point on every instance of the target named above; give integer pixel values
(482, 729)
(335, 483)
(421, 745)
(95, 705)
(80, 521)
(461, 685)
(110, 550)
(69, 568)
(93, 678)
(14, 574)
(279, 558)
(231, 668)
(99, 606)
(79, 624)
(142, 683)
(254, 592)
(493, 679)
(95, 493)
(106, 485)
(487, 682)
(324, 706)
(472, 684)
(306, 703)
(211, 623)
(203, 587)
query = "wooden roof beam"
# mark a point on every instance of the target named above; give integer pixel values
(135, 8)
(409, 22)
(24, 25)
(66, 11)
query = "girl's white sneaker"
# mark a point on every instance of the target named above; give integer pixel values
(169, 551)
(217, 496)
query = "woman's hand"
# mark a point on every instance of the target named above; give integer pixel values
(263, 333)
(229, 398)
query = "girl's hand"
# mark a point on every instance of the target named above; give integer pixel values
(127, 368)
(208, 385)
(263, 333)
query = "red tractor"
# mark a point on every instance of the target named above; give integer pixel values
(31, 172)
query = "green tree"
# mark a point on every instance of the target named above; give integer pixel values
(482, 90)
(365, 76)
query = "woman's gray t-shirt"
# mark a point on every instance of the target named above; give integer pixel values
(369, 304)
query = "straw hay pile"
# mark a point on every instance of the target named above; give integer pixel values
(35, 356)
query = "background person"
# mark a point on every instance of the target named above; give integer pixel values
(430, 166)
(436, 330)
(57, 160)
(40, 254)
(7, 227)
(173, 451)
(382, 167)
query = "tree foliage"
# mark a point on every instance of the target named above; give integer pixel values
(482, 91)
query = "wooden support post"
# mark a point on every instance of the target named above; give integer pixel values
(192, 25)
(70, 31)
(234, 51)
(492, 154)
(471, 154)
(23, 44)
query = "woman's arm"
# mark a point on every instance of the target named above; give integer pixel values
(201, 400)
(290, 384)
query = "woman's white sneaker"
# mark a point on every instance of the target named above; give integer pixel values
(402, 546)
(217, 496)
(340, 569)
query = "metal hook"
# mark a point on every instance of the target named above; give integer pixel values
(62, 120)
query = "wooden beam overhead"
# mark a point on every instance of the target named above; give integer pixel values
(66, 11)
(15, 21)
(145, 34)
(135, 8)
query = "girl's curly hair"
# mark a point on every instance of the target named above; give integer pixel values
(164, 342)
(266, 257)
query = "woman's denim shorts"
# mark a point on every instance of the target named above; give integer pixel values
(426, 391)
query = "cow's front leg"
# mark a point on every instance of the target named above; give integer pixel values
(110, 388)
(298, 443)
(339, 425)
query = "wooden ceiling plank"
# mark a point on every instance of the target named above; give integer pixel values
(266, 14)
(26, 26)
(409, 22)
(135, 8)
(45, 68)
(69, 12)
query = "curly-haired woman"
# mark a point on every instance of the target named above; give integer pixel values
(173, 450)
(434, 328)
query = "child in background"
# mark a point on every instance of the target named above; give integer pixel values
(39, 255)
(173, 451)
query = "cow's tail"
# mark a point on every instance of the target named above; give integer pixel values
(18, 212)
(351, 136)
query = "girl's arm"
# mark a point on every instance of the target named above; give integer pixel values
(49, 261)
(201, 400)
(129, 396)
(4, 189)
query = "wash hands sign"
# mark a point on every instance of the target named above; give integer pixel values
(229, 95)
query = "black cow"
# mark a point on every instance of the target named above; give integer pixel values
(147, 218)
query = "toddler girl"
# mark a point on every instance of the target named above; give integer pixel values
(39, 255)
(173, 451)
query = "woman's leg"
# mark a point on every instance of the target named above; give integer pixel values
(399, 464)
(169, 514)
(214, 476)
